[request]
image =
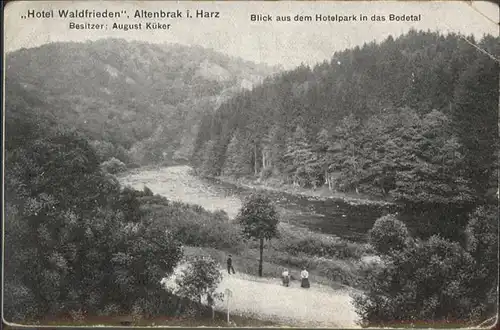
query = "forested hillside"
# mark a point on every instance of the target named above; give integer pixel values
(92, 248)
(137, 102)
(71, 225)
(410, 119)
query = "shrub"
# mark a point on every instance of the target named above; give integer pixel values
(435, 280)
(77, 315)
(110, 310)
(113, 166)
(200, 280)
(266, 173)
(19, 302)
(191, 224)
(482, 243)
(69, 223)
(388, 233)
(482, 235)
(103, 149)
(422, 282)
(296, 240)
(133, 165)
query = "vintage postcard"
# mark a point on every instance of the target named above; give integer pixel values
(319, 164)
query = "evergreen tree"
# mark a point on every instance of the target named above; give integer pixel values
(475, 120)
(237, 159)
(298, 158)
(209, 159)
(350, 161)
(324, 155)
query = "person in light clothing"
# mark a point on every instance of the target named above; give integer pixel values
(286, 277)
(304, 276)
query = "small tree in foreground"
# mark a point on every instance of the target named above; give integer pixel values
(200, 279)
(259, 219)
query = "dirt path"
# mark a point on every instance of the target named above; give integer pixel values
(267, 299)
(318, 306)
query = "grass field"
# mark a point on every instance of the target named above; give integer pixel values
(248, 263)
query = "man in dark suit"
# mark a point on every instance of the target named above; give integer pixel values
(230, 265)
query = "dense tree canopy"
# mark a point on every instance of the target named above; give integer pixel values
(137, 102)
(82, 237)
(412, 119)
(433, 281)
(67, 224)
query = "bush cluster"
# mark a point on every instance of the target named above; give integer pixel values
(192, 225)
(435, 279)
(298, 241)
(89, 248)
(114, 166)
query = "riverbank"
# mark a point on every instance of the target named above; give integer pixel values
(322, 193)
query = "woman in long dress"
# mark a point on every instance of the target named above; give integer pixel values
(286, 277)
(304, 276)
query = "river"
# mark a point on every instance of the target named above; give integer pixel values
(334, 217)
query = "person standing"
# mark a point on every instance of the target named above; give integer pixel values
(230, 265)
(286, 277)
(304, 276)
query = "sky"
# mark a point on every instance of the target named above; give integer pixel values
(275, 43)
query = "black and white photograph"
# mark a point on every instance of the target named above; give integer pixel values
(317, 164)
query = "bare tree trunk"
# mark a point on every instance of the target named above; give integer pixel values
(261, 248)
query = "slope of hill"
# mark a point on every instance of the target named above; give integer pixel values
(130, 95)
(413, 119)
(335, 121)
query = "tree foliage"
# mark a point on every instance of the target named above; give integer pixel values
(238, 160)
(388, 233)
(200, 280)
(474, 120)
(138, 97)
(82, 237)
(113, 166)
(259, 220)
(435, 280)
(333, 95)
(425, 138)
